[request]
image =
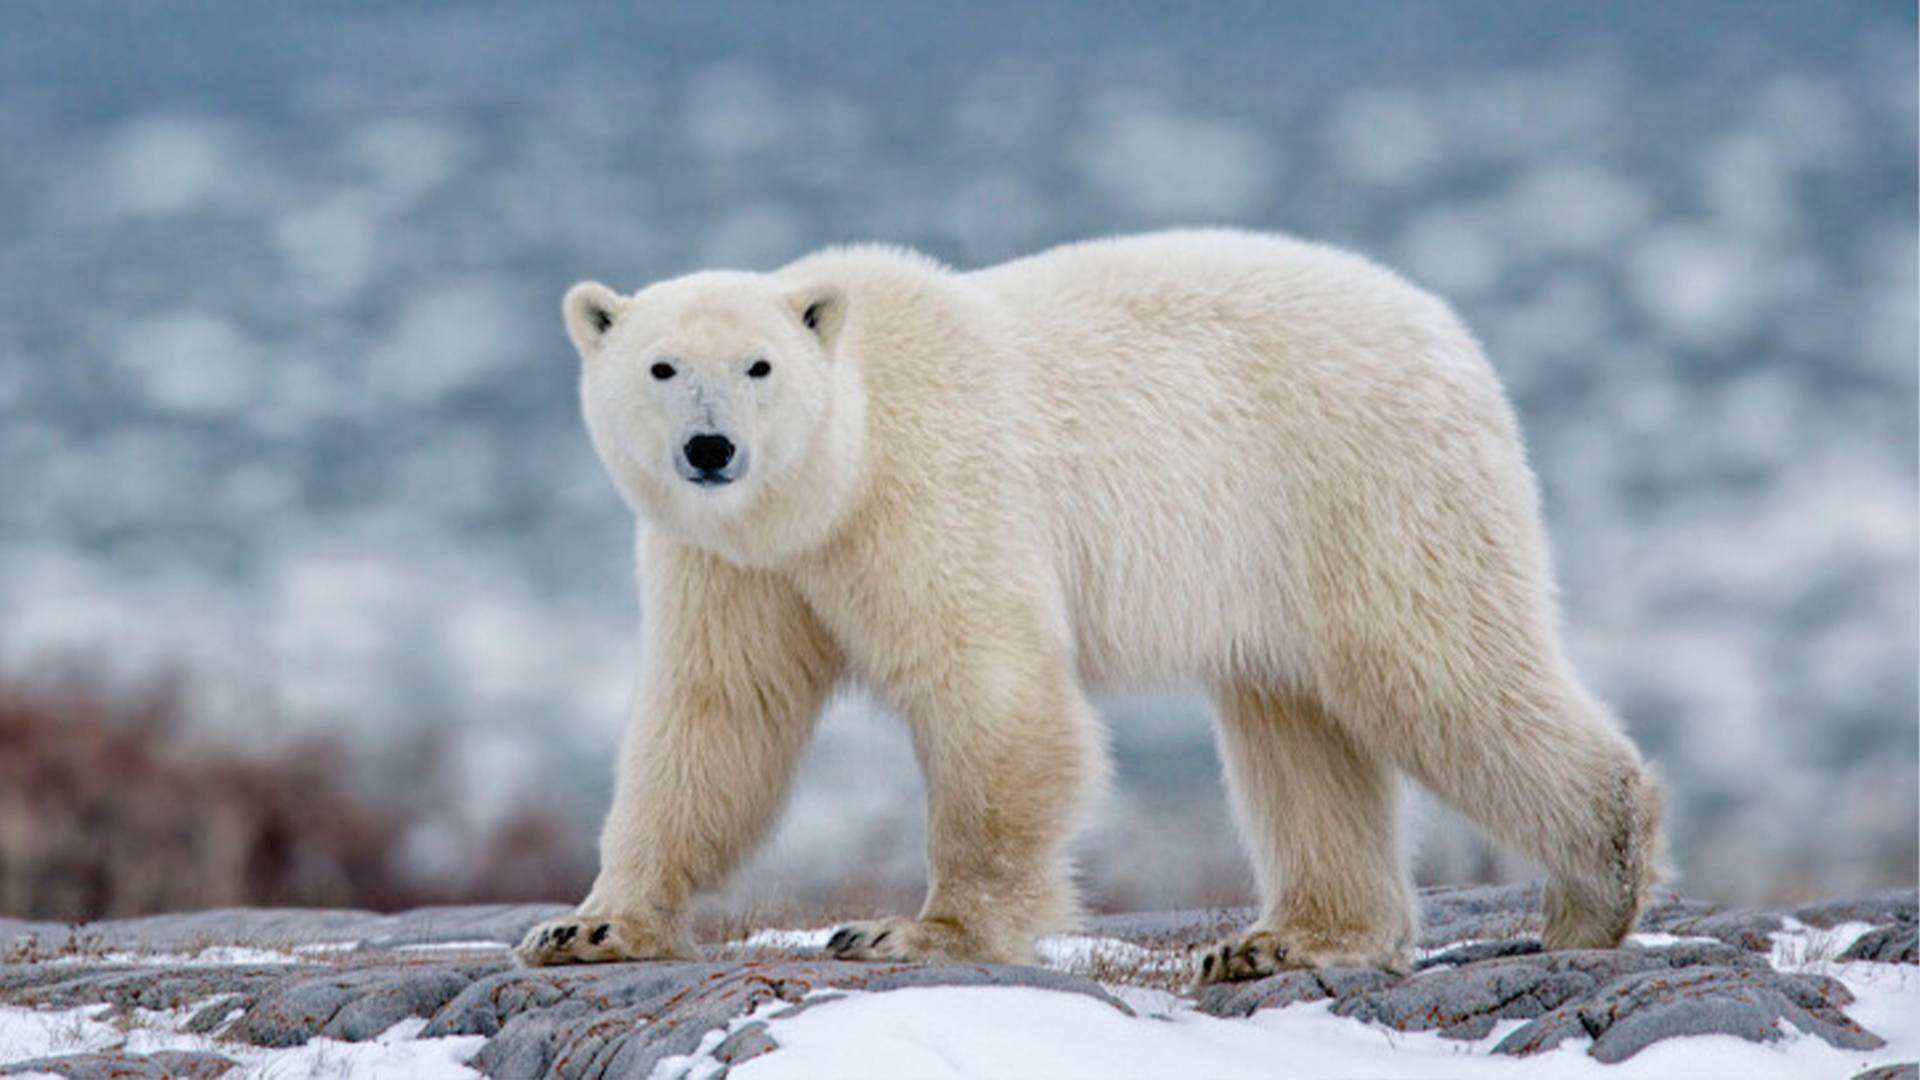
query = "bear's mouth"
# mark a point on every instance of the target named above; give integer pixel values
(710, 478)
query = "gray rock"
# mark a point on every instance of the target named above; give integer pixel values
(158, 987)
(20, 936)
(503, 924)
(1887, 945)
(1639, 1010)
(1464, 992)
(1448, 914)
(161, 1065)
(618, 1019)
(1905, 1070)
(281, 928)
(1685, 954)
(1469, 913)
(1234, 1000)
(351, 1005)
(1666, 912)
(623, 1019)
(1749, 930)
(1898, 907)
(1475, 951)
(1173, 929)
(1465, 1002)
(745, 1044)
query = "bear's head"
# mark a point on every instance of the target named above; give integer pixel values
(716, 404)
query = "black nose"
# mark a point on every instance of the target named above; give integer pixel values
(708, 453)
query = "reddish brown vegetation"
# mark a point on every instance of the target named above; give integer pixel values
(110, 805)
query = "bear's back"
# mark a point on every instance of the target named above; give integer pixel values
(1204, 408)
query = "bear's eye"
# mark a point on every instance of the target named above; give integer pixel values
(663, 372)
(760, 370)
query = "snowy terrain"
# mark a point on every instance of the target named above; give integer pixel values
(1017, 1032)
(431, 994)
(968, 1032)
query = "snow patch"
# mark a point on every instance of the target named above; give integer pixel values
(788, 939)
(1097, 955)
(1001, 1031)
(1799, 947)
(215, 956)
(398, 1052)
(698, 1065)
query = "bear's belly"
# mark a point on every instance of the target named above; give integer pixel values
(1178, 599)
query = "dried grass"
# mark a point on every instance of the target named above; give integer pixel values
(113, 805)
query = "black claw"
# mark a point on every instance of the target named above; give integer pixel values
(880, 937)
(1206, 966)
(599, 933)
(564, 934)
(841, 940)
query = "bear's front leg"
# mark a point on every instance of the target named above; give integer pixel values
(1010, 749)
(734, 674)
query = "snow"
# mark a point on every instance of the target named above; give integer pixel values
(1799, 947)
(982, 1031)
(215, 956)
(1656, 940)
(699, 1065)
(1088, 955)
(1023, 1031)
(1080, 953)
(976, 1031)
(398, 1052)
(788, 939)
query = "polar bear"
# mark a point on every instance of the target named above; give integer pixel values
(1265, 466)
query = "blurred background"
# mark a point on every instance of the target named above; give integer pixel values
(312, 592)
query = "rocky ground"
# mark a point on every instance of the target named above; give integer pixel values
(199, 994)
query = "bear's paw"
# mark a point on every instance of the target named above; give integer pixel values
(597, 939)
(901, 939)
(1257, 954)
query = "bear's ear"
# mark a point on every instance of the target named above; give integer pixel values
(590, 310)
(821, 309)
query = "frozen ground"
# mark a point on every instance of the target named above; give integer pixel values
(1829, 990)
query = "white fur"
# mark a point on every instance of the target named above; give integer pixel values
(1265, 466)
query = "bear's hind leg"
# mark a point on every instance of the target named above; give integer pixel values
(1544, 768)
(1319, 816)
